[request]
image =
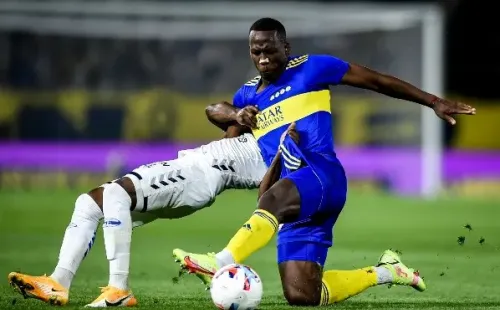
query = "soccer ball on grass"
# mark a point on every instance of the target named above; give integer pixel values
(236, 287)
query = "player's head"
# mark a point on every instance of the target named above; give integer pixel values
(269, 48)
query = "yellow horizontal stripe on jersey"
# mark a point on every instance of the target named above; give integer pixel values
(290, 110)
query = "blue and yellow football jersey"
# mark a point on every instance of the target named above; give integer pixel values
(300, 95)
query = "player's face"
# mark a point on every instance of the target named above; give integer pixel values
(268, 53)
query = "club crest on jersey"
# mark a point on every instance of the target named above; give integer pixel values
(270, 116)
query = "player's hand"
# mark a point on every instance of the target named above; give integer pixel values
(446, 108)
(292, 132)
(248, 116)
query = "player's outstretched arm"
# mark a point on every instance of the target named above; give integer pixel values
(362, 77)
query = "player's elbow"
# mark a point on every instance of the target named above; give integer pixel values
(211, 113)
(210, 109)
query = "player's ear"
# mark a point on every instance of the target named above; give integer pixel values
(287, 49)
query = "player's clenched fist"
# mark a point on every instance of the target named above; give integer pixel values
(248, 116)
(445, 108)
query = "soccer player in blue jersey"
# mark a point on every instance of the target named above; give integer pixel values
(287, 108)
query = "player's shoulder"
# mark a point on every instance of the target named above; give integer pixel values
(310, 61)
(322, 59)
(242, 94)
(252, 82)
(297, 61)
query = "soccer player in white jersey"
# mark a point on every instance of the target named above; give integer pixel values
(168, 189)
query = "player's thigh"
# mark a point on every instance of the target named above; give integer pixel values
(282, 200)
(175, 188)
(301, 268)
(298, 196)
(153, 185)
(321, 190)
(309, 189)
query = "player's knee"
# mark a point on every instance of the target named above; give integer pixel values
(96, 195)
(300, 297)
(115, 196)
(86, 207)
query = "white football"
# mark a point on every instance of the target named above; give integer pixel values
(236, 287)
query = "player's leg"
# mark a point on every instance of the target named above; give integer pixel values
(77, 242)
(118, 199)
(280, 204)
(315, 203)
(303, 244)
(302, 285)
(153, 187)
(79, 236)
(339, 285)
(305, 284)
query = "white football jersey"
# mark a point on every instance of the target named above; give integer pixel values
(179, 187)
(238, 159)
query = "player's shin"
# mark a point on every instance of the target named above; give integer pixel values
(253, 235)
(78, 239)
(339, 285)
(117, 230)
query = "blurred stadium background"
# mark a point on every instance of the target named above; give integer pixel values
(92, 89)
(84, 84)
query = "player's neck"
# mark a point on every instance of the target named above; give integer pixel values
(266, 80)
(263, 84)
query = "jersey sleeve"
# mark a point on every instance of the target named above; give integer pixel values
(239, 99)
(329, 70)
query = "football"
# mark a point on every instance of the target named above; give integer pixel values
(236, 287)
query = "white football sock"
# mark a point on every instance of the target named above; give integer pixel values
(78, 239)
(224, 258)
(384, 275)
(117, 229)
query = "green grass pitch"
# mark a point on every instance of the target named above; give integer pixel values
(458, 276)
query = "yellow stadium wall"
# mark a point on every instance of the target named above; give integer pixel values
(157, 114)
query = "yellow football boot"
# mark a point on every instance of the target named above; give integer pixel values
(204, 266)
(113, 297)
(43, 288)
(402, 275)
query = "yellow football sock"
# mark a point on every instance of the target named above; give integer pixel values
(338, 285)
(254, 234)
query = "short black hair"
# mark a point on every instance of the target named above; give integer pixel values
(270, 24)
